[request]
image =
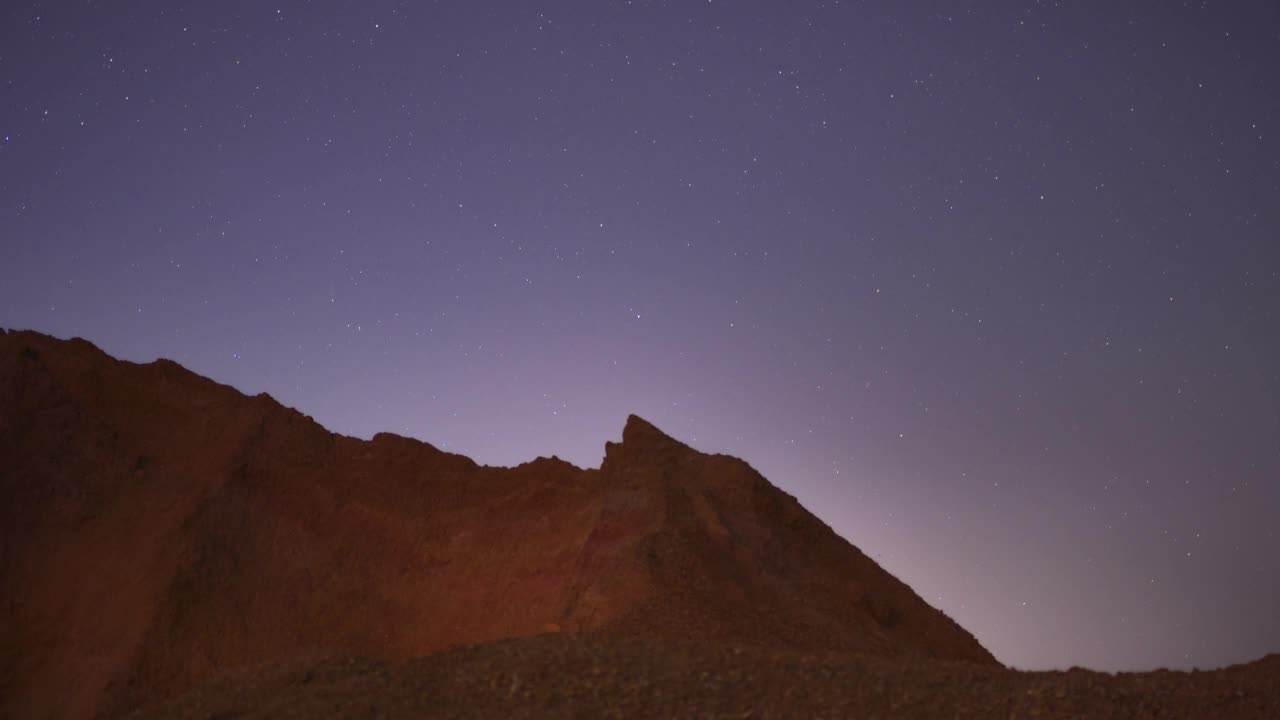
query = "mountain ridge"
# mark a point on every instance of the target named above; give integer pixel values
(161, 527)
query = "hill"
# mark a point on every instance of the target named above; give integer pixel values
(160, 529)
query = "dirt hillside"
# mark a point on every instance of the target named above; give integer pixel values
(159, 529)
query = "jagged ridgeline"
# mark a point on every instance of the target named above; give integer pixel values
(160, 528)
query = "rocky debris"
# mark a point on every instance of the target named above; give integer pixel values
(590, 676)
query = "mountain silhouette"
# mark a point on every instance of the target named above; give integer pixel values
(162, 531)
(159, 527)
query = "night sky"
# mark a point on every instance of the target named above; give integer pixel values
(991, 287)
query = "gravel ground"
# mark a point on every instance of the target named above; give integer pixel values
(565, 676)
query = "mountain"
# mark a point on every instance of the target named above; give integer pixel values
(160, 528)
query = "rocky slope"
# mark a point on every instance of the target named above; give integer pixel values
(158, 529)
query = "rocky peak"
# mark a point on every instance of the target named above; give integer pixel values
(642, 442)
(639, 431)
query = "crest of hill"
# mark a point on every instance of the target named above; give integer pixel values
(160, 528)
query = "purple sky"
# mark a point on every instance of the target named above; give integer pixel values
(992, 287)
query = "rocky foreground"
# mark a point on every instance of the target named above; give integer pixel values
(563, 676)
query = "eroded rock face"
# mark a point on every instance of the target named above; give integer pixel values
(158, 527)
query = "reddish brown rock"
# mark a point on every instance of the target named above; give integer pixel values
(161, 531)
(159, 527)
(590, 676)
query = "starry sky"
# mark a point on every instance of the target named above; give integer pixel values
(991, 287)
